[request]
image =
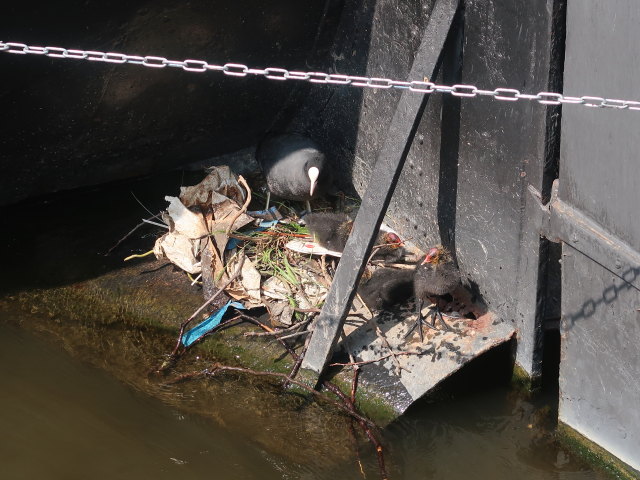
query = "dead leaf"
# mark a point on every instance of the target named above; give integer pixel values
(184, 220)
(219, 185)
(180, 250)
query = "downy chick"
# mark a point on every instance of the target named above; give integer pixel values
(437, 275)
(386, 288)
(332, 230)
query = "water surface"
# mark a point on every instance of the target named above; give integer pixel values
(63, 419)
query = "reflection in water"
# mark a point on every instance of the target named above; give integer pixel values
(62, 420)
(488, 435)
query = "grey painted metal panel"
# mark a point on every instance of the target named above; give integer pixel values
(600, 164)
(599, 178)
(600, 366)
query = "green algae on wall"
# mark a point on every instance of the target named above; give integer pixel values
(595, 455)
(143, 298)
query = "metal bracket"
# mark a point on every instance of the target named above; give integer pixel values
(384, 177)
(559, 221)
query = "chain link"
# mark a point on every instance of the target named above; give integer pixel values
(281, 74)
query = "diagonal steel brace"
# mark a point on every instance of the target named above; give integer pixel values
(384, 177)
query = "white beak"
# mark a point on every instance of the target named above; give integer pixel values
(313, 173)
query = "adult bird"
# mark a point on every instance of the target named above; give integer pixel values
(294, 166)
(386, 288)
(332, 230)
(437, 275)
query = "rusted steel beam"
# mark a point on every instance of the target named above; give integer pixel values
(384, 177)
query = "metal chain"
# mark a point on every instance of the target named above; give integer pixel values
(274, 73)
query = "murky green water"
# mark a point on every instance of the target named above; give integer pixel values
(62, 417)
(64, 420)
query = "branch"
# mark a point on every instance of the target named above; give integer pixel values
(184, 324)
(217, 367)
(292, 328)
(365, 362)
(244, 207)
(128, 235)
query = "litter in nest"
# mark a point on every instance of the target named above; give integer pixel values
(211, 232)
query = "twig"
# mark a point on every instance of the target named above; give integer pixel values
(323, 267)
(354, 383)
(296, 366)
(356, 449)
(306, 310)
(291, 335)
(128, 235)
(257, 322)
(379, 359)
(291, 351)
(184, 324)
(356, 369)
(292, 328)
(275, 233)
(141, 204)
(275, 333)
(217, 367)
(352, 399)
(246, 238)
(365, 426)
(397, 266)
(244, 207)
(155, 223)
(172, 358)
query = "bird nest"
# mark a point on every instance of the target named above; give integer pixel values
(217, 234)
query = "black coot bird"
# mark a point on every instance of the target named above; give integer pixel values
(331, 230)
(436, 276)
(294, 166)
(386, 288)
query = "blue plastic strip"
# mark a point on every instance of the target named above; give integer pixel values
(267, 223)
(272, 212)
(233, 243)
(209, 324)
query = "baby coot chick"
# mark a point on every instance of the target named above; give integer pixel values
(294, 166)
(390, 247)
(436, 276)
(329, 230)
(332, 230)
(386, 288)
